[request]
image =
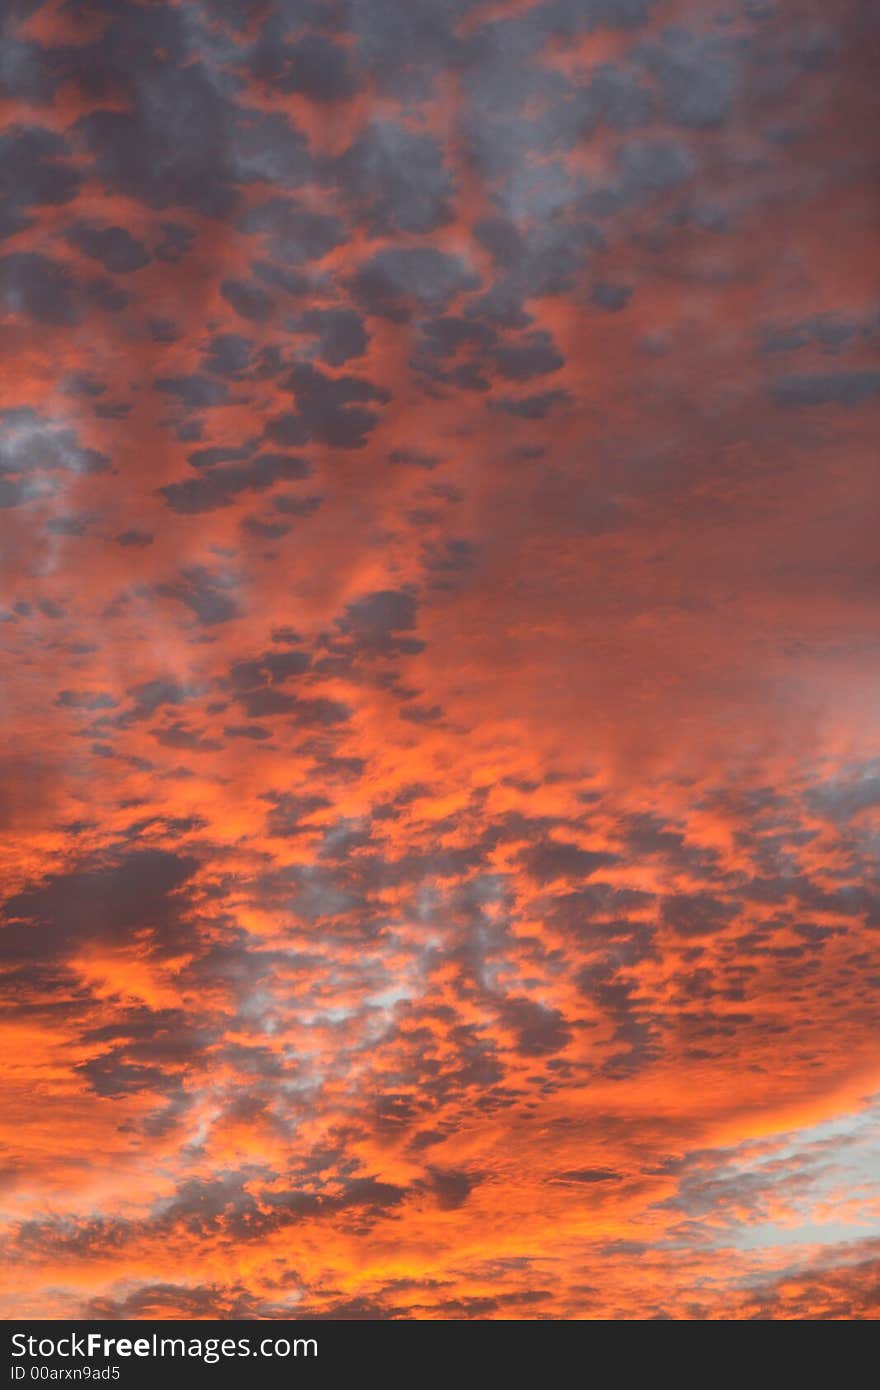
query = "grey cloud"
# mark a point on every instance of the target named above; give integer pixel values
(554, 859)
(228, 354)
(396, 180)
(340, 334)
(104, 902)
(311, 66)
(397, 280)
(332, 410)
(116, 249)
(185, 142)
(539, 1030)
(832, 388)
(847, 795)
(208, 595)
(33, 173)
(134, 537)
(536, 355)
(248, 299)
(613, 298)
(219, 486)
(535, 407)
(195, 392)
(698, 75)
(33, 284)
(32, 441)
(697, 914)
(294, 233)
(86, 700)
(375, 622)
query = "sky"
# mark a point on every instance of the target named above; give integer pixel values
(440, 791)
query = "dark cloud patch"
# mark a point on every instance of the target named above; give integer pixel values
(614, 97)
(134, 538)
(646, 168)
(403, 49)
(180, 735)
(539, 249)
(587, 1176)
(228, 354)
(294, 233)
(451, 1187)
(263, 701)
(163, 330)
(111, 410)
(312, 66)
(70, 524)
(202, 1204)
(646, 834)
(539, 1030)
(208, 595)
(161, 1300)
(396, 282)
(340, 333)
(697, 914)
(176, 241)
(849, 388)
(830, 334)
(455, 556)
(279, 277)
(185, 142)
(83, 384)
(414, 458)
(248, 299)
(292, 813)
(610, 297)
(566, 18)
(116, 249)
(536, 407)
(296, 506)
(113, 902)
(151, 1047)
(218, 453)
(697, 75)
(194, 392)
(219, 486)
(237, 1204)
(152, 695)
(636, 1034)
(43, 289)
(105, 294)
(331, 410)
(86, 700)
(257, 733)
(421, 714)
(375, 623)
(258, 683)
(443, 337)
(536, 355)
(265, 530)
(396, 180)
(846, 796)
(321, 712)
(24, 74)
(553, 859)
(34, 173)
(271, 666)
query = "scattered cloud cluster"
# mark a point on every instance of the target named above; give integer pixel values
(439, 585)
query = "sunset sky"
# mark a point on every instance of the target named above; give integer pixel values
(438, 595)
